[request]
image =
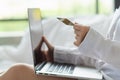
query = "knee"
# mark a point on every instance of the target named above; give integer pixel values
(21, 68)
(17, 71)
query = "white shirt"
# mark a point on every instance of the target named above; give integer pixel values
(97, 51)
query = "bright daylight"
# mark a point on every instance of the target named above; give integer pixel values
(59, 39)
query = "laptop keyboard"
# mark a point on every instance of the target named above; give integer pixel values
(61, 68)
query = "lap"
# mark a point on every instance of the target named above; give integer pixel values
(26, 72)
(42, 77)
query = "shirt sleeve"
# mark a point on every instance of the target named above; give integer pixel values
(66, 55)
(98, 47)
(73, 56)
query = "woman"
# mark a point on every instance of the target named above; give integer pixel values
(90, 44)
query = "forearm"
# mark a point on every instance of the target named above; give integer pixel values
(73, 56)
(66, 55)
(98, 47)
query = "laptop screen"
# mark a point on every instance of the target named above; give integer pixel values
(36, 30)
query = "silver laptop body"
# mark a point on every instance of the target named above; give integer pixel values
(55, 69)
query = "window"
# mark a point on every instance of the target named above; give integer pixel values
(14, 12)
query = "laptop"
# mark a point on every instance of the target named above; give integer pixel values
(55, 68)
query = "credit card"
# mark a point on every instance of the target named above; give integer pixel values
(66, 21)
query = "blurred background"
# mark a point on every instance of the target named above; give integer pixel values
(14, 21)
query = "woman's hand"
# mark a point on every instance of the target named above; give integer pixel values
(50, 51)
(43, 55)
(80, 33)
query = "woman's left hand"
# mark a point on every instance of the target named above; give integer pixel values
(80, 33)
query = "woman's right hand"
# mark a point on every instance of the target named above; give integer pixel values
(49, 53)
(43, 55)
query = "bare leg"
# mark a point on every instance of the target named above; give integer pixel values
(26, 72)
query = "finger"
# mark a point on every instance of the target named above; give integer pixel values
(44, 55)
(40, 43)
(78, 39)
(77, 32)
(77, 27)
(48, 57)
(76, 43)
(47, 43)
(76, 23)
